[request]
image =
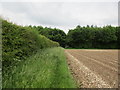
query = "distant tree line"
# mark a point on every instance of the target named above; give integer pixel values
(84, 37)
(93, 37)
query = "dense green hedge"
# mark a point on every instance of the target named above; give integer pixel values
(19, 42)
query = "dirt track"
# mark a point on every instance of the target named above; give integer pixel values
(94, 68)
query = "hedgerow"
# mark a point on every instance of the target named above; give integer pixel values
(19, 42)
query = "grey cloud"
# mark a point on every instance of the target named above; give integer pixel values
(60, 14)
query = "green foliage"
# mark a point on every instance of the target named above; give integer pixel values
(118, 35)
(83, 37)
(53, 34)
(20, 42)
(46, 69)
(93, 37)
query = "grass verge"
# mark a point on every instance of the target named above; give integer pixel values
(46, 69)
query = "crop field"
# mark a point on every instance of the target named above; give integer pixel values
(93, 68)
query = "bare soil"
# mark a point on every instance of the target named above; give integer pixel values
(94, 68)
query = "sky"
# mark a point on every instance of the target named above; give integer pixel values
(62, 14)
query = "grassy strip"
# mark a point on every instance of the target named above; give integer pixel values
(46, 69)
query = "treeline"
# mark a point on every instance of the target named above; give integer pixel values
(19, 42)
(107, 37)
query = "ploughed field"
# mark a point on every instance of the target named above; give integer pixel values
(93, 68)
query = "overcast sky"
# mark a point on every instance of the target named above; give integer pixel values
(64, 15)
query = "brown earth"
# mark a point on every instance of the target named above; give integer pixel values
(94, 68)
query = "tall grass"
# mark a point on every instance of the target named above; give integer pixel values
(45, 69)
